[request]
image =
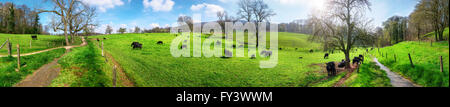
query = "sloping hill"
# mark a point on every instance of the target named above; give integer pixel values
(426, 60)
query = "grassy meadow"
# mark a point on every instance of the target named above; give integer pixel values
(43, 42)
(153, 66)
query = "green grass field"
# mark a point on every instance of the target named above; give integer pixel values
(8, 74)
(425, 58)
(43, 42)
(153, 66)
(83, 67)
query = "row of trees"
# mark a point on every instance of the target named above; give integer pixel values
(428, 16)
(109, 30)
(19, 19)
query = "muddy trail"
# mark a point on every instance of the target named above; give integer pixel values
(44, 75)
(396, 80)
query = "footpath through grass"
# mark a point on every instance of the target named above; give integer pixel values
(83, 67)
(8, 65)
(425, 58)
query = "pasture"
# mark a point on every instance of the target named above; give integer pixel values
(153, 66)
(43, 42)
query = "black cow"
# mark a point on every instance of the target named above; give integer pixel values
(160, 42)
(98, 40)
(136, 45)
(341, 64)
(356, 60)
(331, 69)
(104, 38)
(34, 37)
(311, 51)
(266, 53)
(361, 57)
(326, 56)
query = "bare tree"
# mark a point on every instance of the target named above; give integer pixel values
(187, 20)
(343, 24)
(66, 10)
(137, 30)
(245, 10)
(108, 30)
(262, 13)
(122, 30)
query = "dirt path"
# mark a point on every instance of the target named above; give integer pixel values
(396, 80)
(43, 76)
(37, 52)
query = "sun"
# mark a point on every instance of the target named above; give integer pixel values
(318, 4)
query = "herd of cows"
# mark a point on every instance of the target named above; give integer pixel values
(330, 66)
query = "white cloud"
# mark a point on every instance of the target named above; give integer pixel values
(103, 5)
(209, 10)
(154, 25)
(159, 5)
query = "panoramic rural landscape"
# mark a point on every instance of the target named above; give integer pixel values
(120, 43)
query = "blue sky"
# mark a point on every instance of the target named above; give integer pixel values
(151, 13)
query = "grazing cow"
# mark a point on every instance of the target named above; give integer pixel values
(341, 64)
(331, 69)
(361, 57)
(300, 57)
(266, 53)
(253, 56)
(34, 37)
(356, 60)
(98, 40)
(160, 42)
(183, 46)
(326, 56)
(280, 48)
(104, 38)
(218, 43)
(311, 51)
(136, 45)
(228, 53)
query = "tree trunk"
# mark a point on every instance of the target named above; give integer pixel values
(65, 32)
(347, 59)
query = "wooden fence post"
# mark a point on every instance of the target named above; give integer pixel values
(9, 48)
(102, 50)
(114, 76)
(18, 57)
(395, 57)
(442, 65)
(410, 60)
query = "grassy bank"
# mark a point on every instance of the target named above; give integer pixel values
(8, 74)
(425, 59)
(370, 75)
